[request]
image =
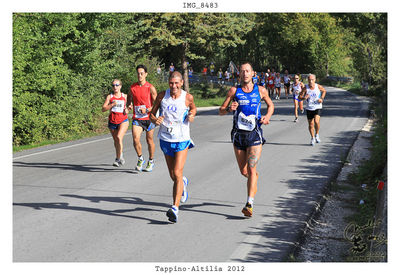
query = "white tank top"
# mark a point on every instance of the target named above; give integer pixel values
(297, 89)
(278, 81)
(286, 79)
(175, 127)
(312, 101)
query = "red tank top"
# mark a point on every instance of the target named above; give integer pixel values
(141, 97)
(270, 80)
(117, 113)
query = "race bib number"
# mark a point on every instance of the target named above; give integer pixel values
(271, 82)
(119, 108)
(171, 130)
(247, 123)
(138, 114)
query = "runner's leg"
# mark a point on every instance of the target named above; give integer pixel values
(136, 133)
(253, 156)
(120, 132)
(311, 127)
(301, 106)
(241, 157)
(114, 133)
(317, 124)
(175, 167)
(150, 143)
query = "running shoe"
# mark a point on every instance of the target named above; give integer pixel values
(150, 165)
(121, 161)
(248, 210)
(185, 194)
(172, 214)
(140, 164)
(312, 143)
(296, 119)
(317, 139)
(116, 163)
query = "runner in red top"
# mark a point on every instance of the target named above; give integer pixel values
(270, 85)
(141, 97)
(118, 119)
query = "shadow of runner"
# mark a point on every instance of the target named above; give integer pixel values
(67, 206)
(143, 206)
(281, 232)
(74, 167)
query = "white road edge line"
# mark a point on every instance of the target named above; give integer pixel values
(61, 148)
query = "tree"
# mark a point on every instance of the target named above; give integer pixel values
(368, 44)
(196, 36)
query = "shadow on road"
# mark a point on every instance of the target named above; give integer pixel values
(337, 103)
(307, 188)
(74, 167)
(142, 205)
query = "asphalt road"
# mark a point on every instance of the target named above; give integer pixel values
(71, 205)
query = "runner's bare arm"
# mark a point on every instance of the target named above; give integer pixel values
(323, 93)
(107, 106)
(264, 95)
(129, 101)
(192, 107)
(302, 94)
(153, 95)
(223, 110)
(156, 106)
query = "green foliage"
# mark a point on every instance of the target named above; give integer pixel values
(195, 36)
(300, 42)
(368, 45)
(63, 63)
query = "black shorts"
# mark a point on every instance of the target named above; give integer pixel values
(312, 114)
(244, 139)
(146, 124)
(287, 85)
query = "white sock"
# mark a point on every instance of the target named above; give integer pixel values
(175, 208)
(250, 200)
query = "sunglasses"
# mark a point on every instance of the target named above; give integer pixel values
(114, 85)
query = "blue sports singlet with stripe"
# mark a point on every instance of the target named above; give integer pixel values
(248, 114)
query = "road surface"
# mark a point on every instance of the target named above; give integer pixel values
(71, 205)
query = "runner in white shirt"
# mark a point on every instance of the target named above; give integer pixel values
(297, 87)
(286, 83)
(314, 94)
(277, 82)
(177, 111)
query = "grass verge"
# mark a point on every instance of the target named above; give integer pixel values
(204, 96)
(368, 175)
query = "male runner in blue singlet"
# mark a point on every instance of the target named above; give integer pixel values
(247, 135)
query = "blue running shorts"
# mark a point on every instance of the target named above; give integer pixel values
(113, 126)
(244, 139)
(170, 148)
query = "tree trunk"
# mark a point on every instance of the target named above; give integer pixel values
(185, 69)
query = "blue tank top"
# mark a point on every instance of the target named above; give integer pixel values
(249, 108)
